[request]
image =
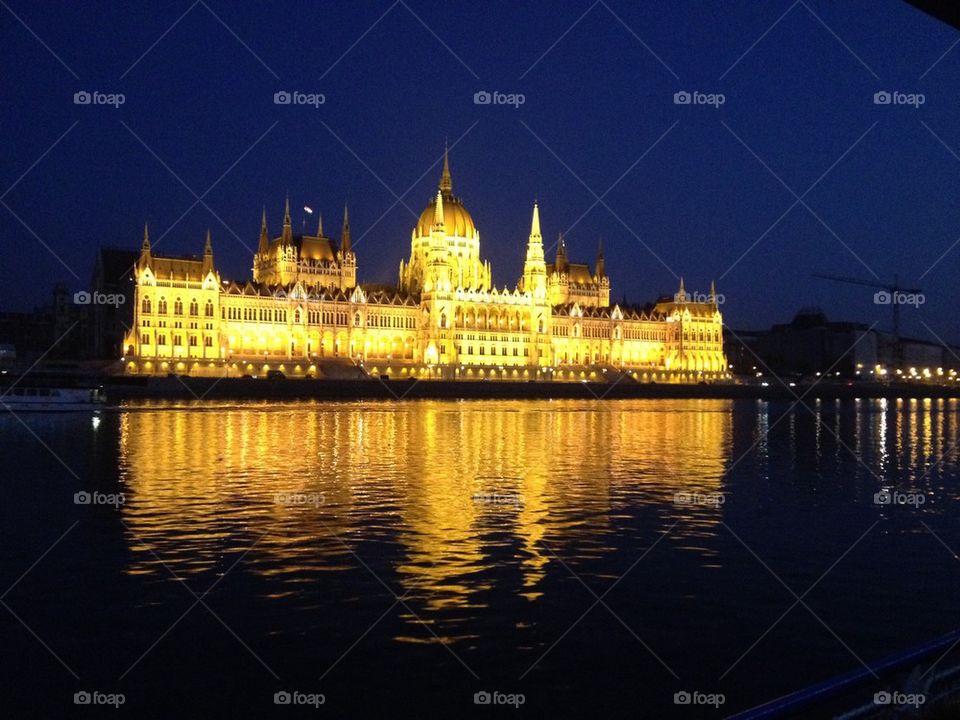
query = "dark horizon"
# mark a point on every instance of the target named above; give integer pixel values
(695, 188)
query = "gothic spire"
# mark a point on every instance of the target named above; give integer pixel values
(446, 181)
(207, 256)
(287, 226)
(535, 224)
(320, 224)
(560, 263)
(345, 245)
(144, 260)
(601, 265)
(264, 247)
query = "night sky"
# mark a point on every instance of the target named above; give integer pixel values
(695, 188)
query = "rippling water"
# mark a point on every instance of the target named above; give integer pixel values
(594, 556)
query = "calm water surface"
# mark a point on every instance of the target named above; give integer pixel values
(399, 557)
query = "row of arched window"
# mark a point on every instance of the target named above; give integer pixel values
(146, 307)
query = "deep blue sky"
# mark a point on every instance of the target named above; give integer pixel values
(598, 99)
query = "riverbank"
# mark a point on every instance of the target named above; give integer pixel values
(242, 388)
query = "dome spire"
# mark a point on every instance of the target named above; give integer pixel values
(446, 181)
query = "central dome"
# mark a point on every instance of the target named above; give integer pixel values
(456, 219)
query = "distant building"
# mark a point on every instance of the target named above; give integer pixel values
(51, 332)
(811, 344)
(110, 312)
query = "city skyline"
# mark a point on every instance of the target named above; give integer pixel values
(695, 185)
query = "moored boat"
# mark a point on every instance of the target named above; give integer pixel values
(50, 399)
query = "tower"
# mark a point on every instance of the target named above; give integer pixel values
(264, 246)
(345, 255)
(561, 264)
(144, 261)
(345, 244)
(601, 279)
(437, 277)
(534, 269)
(207, 257)
(287, 237)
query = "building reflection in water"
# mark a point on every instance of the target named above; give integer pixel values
(437, 497)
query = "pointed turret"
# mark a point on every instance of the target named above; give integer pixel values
(320, 224)
(713, 293)
(535, 224)
(438, 212)
(681, 293)
(601, 266)
(145, 258)
(534, 270)
(560, 264)
(446, 181)
(264, 247)
(287, 226)
(345, 244)
(207, 256)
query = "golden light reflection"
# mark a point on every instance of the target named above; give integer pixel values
(437, 498)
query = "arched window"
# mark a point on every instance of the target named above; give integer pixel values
(194, 308)
(145, 305)
(208, 310)
(356, 320)
(178, 307)
(162, 306)
(443, 320)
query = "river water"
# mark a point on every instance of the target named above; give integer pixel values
(395, 558)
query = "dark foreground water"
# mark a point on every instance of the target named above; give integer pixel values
(399, 557)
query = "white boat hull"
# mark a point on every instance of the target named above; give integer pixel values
(21, 399)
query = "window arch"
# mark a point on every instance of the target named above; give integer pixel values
(208, 310)
(178, 307)
(162, 306)
(145, 305)
(194, 308)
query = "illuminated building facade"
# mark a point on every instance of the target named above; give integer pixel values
(304, 313)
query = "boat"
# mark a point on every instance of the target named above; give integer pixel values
(51, 399)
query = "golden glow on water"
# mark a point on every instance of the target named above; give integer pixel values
(465, 509)
(451, 484)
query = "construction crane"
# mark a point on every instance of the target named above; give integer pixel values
(894, 296)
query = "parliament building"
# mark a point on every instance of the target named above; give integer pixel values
(305, 315)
